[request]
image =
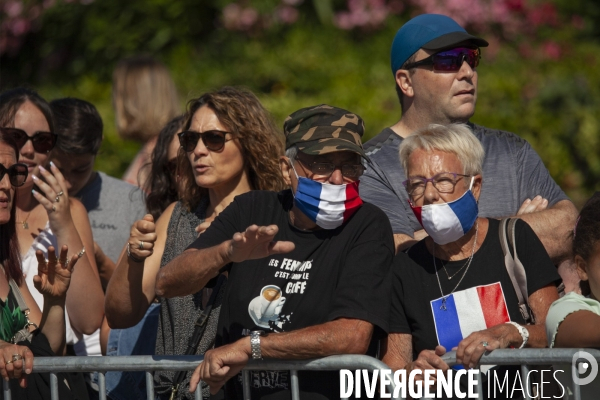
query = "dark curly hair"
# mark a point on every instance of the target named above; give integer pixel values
(240, 111)
(160, 185)
(586, 234)
(10, 255)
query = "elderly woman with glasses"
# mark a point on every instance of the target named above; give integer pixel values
(229, 146)
(452, 290)
(45, 214)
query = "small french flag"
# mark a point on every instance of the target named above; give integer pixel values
(329, 205)
(468, 311)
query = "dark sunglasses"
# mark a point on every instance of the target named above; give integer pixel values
(214, 140)
(17, 174)
(42, 142)
(450, 60)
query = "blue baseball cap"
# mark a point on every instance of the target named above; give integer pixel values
(430, 32)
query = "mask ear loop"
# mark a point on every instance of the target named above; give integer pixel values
(297, 177)
(471, 185)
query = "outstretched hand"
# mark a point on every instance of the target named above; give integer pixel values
(257, 242)
(54, 274)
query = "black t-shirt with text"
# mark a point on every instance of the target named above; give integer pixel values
(484, 298)
(339, 273)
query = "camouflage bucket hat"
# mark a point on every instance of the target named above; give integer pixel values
(324, 129)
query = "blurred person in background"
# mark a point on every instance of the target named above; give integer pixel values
(144, 99)
(51, 281)
(112, 205)
(46, 214)
(229, 146)
(574, 320)
(434, 62)
(162, 185)
(140, 339)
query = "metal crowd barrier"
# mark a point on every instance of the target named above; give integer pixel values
(524, 357)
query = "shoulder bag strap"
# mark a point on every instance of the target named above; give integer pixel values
(514, 267)
(20, 301)
(199, 328)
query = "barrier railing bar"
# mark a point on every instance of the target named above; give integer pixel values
(246, 384)
(149, 385)
(53, 386)
(528, 356)
(524, 372)
(6, 389)
(576, 388)
(198, 392)
(295, 386)
(102, 385)
(479, 386)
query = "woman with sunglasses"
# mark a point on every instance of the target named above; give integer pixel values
(45, 214)
(229, 145)
(51, 280)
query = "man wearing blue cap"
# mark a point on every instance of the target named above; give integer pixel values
(434, 61)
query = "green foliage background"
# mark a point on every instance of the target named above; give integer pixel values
(553, 103)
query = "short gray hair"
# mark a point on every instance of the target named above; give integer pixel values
(456, 139)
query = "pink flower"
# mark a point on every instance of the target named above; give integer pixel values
(13, 8)
(287, 14)
(552, 50)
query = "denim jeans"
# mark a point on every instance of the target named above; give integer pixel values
(137, 340)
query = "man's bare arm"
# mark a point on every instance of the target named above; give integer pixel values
(554, 226)
(403, 241)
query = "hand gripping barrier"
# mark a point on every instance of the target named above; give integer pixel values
(524, 357)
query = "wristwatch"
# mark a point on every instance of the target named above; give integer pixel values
(255, 344)
(522, 331)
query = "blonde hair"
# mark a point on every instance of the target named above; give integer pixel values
(144, 98)
(456, 139)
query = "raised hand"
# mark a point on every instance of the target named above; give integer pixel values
(54, 196)
(54, 275)
(142, 238)
(257, 242)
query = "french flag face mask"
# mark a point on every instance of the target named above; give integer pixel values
(329, 206)
(448, 222)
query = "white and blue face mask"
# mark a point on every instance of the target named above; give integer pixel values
(448, 222)
(327, 205)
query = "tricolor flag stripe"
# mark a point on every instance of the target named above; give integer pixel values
(468, 311)
(354, 202)
(462, 209)
(493, 304)
(313, 190)
(442, 217)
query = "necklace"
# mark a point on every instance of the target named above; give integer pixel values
(24, 223)
(468, 264)
(465, 264)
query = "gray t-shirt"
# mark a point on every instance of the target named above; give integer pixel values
(113, 206)
(512, 173)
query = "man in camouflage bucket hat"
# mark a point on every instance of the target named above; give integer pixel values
(302, 283)
(324, 129)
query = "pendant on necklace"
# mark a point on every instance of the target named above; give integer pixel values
(25, 225)
(443, 306)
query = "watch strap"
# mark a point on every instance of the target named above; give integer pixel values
(522, 331)
(255, 344)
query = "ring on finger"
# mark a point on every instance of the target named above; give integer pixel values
(60, 193)
(57, 199)
(63, 262)
(8, 362)
(141, 246)
(16, 357)
(485, 344)
(53, 208)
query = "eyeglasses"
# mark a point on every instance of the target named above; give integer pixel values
(42, 142)
(17, 174)
(214, 140)
(450, 60)
(444, 182)
(324, 170)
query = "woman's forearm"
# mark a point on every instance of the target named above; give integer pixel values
(53, 324)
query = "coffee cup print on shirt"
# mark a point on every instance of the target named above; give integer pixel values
(267, 306)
